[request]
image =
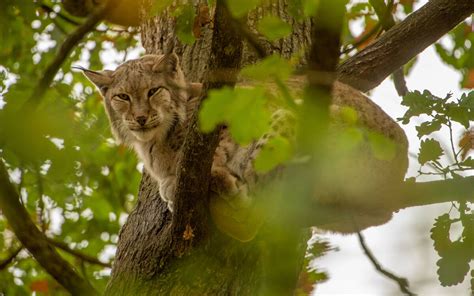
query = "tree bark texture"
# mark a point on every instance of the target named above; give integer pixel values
(149, 261)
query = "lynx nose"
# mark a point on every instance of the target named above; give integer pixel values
(141, 120)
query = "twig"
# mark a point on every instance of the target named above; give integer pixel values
(453, 150)
(66, 47)
(5, 262)
(48, 9)
(83, 257)
(402, 282)
(40, 209)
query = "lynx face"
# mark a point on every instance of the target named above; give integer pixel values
(144, 98)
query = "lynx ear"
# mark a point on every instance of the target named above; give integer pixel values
(169, 63)
(102, 79)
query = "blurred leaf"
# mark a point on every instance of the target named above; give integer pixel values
(382, 147)
(243, 109)
(273, 27)
(270, 68)
(242, 7)
(276, 151)
(184, 23)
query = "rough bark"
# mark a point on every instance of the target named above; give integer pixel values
(149, 260)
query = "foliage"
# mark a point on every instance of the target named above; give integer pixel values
(437, 113)
(75, 181)
(78, 184)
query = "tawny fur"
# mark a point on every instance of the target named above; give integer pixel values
(158, 143)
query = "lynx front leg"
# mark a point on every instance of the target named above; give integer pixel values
(167, 190)
(232, 210)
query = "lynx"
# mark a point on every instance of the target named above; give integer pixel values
(149, 104)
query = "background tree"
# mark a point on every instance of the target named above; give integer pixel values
(55, 166)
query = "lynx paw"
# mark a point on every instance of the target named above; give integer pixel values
(228, 187)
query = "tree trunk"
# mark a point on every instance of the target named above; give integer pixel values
(153, 258)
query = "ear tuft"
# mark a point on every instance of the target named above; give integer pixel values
(167, 63)
(171, 62)
(102, 79)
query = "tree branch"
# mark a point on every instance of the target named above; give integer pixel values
(35, 241)
(48, 9)
(5, 262)
(83, 257)
(195, 166)
(402, 282)
(404, 41)
(66, 47)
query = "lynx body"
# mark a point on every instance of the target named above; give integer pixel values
(149, 104)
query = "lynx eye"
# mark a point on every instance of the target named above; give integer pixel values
(153, 91)
(124, 97)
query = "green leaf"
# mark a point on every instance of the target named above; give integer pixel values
(418, 103)
(430, 150)
(273, 27)
(310, 7)
(468, 162)
(276, 151)
(184, 23)
(242, 7)
(348, 115)
(454, 265)
(382, 147)
(426, 128)
(243, 109)
(272, 67)
(458, 114)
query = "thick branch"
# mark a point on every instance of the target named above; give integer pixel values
(404, 41)
(406, 195)
(35, 241)
(195, 166)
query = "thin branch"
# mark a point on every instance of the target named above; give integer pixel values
(83, 257)
(5, 262)
(35, 241)
(66, 18)
(66, 47)
(40, 208)
(402, 282)
(404, 41)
